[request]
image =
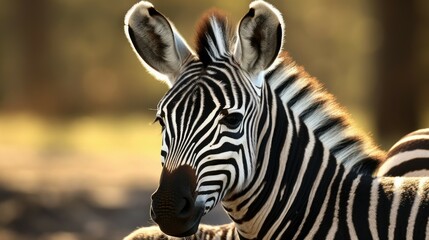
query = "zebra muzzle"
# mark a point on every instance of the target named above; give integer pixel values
(173, 204)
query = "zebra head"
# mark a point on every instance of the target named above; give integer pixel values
(210, 115)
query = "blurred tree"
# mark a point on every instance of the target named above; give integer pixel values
(397, 88)
(31, 18)
(70, 57)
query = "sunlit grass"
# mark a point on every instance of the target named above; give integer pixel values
(100, 134)
(101, 154)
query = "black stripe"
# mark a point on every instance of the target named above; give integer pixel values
(301, 94)
(343, 228)
(409, 145)
(367, 166)
(409, 190)
(327, 125)
(360, 209)
(313, 107)
(344, 144)
(384, 206)
(286, 84)
(413, 164)
(422, 216)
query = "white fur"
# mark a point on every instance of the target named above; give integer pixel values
(176, 56)
(244, 52)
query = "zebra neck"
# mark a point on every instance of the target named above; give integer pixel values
(338, 204)
(301, 191)
(288, 163)
(362, 207)
(318, 110)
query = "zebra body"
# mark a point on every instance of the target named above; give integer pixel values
(252, 130)
(408, 157)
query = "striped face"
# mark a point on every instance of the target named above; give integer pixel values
(208, 120)
(208, 149)
(211, 113)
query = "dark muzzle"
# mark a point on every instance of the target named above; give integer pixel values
(173, 203)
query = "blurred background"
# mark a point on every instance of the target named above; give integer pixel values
(79, 155)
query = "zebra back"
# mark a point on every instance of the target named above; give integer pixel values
(408, 157)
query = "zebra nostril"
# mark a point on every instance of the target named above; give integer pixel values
(185, 207)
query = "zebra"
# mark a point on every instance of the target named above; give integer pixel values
(245, 126)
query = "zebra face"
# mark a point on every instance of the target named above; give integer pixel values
(210, 115)
(208, 146)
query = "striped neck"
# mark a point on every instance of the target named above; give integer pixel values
(301, 191)
(322, 115)
(289, 157)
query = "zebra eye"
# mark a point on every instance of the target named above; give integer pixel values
(160, 121)
(232, 120)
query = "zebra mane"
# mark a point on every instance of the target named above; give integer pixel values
(213, 37)
(319, 111)
(303, 94)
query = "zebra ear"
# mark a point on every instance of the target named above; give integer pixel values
(156, 42)
(260, 37)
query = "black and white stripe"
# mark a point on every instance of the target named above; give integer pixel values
(264, 138)
(408, 157)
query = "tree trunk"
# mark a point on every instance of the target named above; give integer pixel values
(33, 29)
(397, 91)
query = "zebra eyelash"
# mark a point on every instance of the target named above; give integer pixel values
(160, 121)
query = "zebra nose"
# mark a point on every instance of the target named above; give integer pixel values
(173, 203)
(185, 206)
